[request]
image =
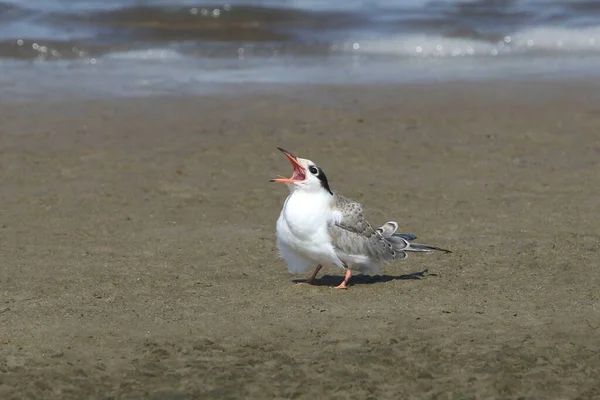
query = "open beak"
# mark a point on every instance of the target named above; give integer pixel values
(299, 172)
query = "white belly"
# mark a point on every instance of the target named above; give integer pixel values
(302, 236)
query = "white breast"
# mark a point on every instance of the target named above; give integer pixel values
(302, 235)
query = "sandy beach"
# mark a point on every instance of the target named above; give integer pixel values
(138, 257)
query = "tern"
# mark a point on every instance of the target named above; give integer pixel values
(319, 226)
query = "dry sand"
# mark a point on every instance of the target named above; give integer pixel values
(138, 256)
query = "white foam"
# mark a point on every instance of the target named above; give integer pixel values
(422, 46)
(316, 5)
(528, 41)
(146, 55)
(560, 39)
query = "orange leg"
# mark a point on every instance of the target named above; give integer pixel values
(346, 279)
(311, 280)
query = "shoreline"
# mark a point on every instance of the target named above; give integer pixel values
(115, 79)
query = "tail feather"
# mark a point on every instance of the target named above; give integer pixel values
(424, 248)
(403, 241)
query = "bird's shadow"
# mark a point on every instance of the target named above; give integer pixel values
(334, 280)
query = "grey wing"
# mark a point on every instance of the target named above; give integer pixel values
(354, 238)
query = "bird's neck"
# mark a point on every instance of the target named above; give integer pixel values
(309, 200)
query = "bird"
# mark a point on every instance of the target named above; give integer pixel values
(319, 226)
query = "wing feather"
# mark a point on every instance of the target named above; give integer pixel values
(354, 238)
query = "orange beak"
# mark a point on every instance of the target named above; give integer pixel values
(299, 171)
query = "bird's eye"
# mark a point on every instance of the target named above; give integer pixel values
(313, 170)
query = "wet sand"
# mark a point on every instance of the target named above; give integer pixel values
(138, 255)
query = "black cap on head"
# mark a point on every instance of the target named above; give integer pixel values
(321, 176)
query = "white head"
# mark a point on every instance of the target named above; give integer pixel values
(307, 175)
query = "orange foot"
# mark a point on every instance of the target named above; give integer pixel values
(347, 277)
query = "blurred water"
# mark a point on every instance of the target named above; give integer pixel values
(153, 46)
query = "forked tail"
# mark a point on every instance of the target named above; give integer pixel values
(404, 241)
(424, 248)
